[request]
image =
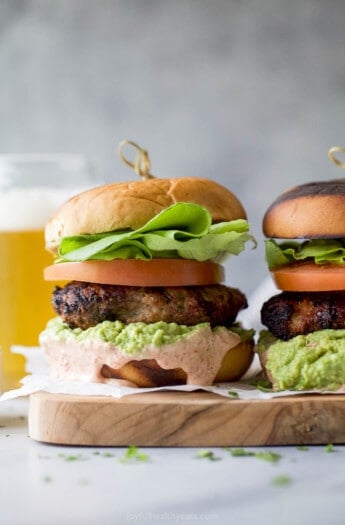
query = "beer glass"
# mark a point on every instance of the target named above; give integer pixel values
(31, 189)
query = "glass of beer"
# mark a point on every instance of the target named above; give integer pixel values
(31, 189)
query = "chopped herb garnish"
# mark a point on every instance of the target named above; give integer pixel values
(240, 452)
(232, 393)
(272, 457)
(282, 480)
(133, 454)
(107, 455)
(262, 384)
(71, 457)
(302, 447)
(207, 454)
(329, 448)
(47, 479)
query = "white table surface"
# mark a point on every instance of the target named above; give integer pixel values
(40, 484)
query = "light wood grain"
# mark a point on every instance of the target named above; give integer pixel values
(186, 419)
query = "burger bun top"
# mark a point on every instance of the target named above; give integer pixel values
(314, 210)
(129, 205)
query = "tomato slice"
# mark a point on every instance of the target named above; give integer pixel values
(133, 272)
(309, 277)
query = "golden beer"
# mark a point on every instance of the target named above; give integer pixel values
(25, 298)
(32, 187)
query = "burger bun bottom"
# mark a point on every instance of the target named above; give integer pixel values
(147, 373)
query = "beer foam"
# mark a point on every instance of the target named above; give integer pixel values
(30, 208)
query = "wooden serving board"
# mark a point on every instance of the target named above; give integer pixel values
(186, 419)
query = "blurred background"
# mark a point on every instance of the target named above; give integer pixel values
(248, 93)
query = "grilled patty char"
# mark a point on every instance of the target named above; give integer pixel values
(295, 313)
(82, 304)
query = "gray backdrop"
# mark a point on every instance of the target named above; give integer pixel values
(249, 93)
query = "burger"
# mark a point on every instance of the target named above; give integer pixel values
(140, 295)
(304, 346)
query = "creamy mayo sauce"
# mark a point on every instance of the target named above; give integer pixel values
(200, 356)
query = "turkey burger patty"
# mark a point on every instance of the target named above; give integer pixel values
(84, 305)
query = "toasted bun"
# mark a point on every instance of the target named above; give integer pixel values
(236, 362)
(314, 210)
(130, 205)
(263, 356)
(147, 373)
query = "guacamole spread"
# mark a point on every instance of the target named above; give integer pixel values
(130, 338)
(306, 362)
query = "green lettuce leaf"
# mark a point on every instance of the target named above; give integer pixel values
(183, 230)
(320, 251)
